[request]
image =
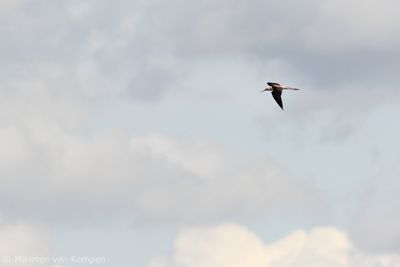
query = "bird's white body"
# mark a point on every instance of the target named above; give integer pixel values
(280, 87)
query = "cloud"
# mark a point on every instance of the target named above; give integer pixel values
(71, 69)
(338, 27)
(155, 177)
(374, 224)
(21, 241)
(145, 50)
(233, 245)
(23, 244)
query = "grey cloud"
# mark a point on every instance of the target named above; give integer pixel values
(61, 58)
(61, 177)
(145, 49)
(375, 223)
(73, 37)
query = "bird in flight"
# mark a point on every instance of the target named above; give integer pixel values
(276, 91)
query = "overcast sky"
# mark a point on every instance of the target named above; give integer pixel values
(135, 132)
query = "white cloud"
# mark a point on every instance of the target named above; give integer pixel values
(227, 245)
(20, 243)
(230, 245)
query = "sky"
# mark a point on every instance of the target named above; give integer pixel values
(134, 133)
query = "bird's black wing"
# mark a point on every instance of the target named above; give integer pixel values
(272, 84)
(277, 97)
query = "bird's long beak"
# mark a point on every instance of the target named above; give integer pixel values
(264, 90)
